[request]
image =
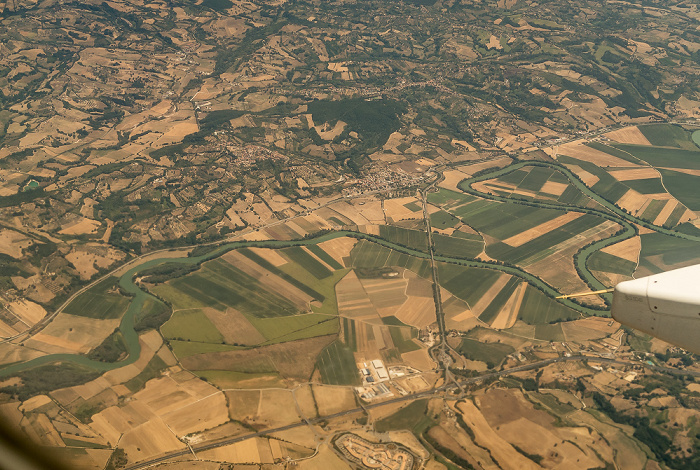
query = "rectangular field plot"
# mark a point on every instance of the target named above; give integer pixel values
(600, 261)
(445, 197)
(290, 328)
(662, 252)
(683, 187)
(490, 353)
(457, 246)
(300, 256)
(416, 239)
(664, 157)
(102, 301)
(469, 284)
(504, 220)
(443, 220)
(543, 243)
(667, 135)
(337, 365)
(191, 325)
(367, 255)
(537, 308)
(325, 257)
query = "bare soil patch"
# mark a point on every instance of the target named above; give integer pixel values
(234, 326)
(628, 135)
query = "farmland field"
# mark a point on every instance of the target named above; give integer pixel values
(337, 365)
(458, 247)
(537, 308)
(490, 353)
(683, 187)
(191, 325)
(416, 239)
(101, 301)
(600, 261)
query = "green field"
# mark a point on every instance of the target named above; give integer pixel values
(222, 285)
(667, 135)
(600, 261)
(413, 417)
(469, 284)
(503, 220)
(550, 332)
(401, 334)
(535, 179)
(191, 325)
(350, 333)
(660, 252)
(151, 371)
(447, 197)
(290, 328)
(494, 308)
(683, 187)
(537, 308)
(366, 254)
(539, 247)
(337, 365)
(183, 349)
(443, 220)
(653, 210)
(458, 247)
(325, 257)
(101, 301)
(298, 255)
(416, 239)
(490, 353)
(606, 186)
(647, 186)
(664, 157)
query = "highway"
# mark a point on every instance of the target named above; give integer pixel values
(457, 384)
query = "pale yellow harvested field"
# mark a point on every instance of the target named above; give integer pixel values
(452, 178)
(509, 313)
(305, 398)
(396, 208)
(92, 388)
(11, 414)
(634, 202)
(122, 374)
(537, 439)
(583, 152)
(43, 429)
(582, 332)
(385, 293)
(313, 255)
(554, 188)
(419, 359)
(371, 210)
(639, 173)
(271, 256)
(326, 459)
(588, 179)
(333, 399)
(206, 413)
(338, 248)
(496, 163)
(694, 387)
(270, 280)
(486, 437)
(530, 234)
(13, 243)
(148, 440)
(82, 226)
(665, 213)
(240, 452)
(628, 135)
(71, 333)
(276, 408)
(27, 311)
(6, 331)
(301, 436)
(627, 249)
(351, 212)
(163, 395)
(416, 311)
(627, 453)
(490, 294)
(87, 263)
(34, 403)
(234, 326)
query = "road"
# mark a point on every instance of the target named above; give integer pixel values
(458, 384)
